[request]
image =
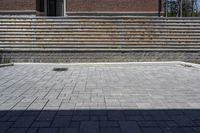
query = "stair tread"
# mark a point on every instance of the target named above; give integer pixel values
(101, 24)
(99, 40)
(120, 36)
(99, 33)
(93, 50)
(103, 30)
(99, 27)
(95, 43)
(93, 33)
(96, 46)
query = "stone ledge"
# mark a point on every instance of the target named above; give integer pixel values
(74, 57)
(101, 17)
(141, 14)
(6, 65)
(98, 50)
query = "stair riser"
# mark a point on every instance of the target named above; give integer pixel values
(100, 27)
(84, 46)
(113, 20)
(99, 24)
(100, 31)
(100, 43)
(112, 37)
(65, 34)
(100, 40)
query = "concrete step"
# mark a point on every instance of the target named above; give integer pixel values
(108, 19)
(172, 30)
(96, 15)
(102, 43)
(88, 34)
(98, 37)
(106, 22)
(102, 40)
(98, 40)
(135, 33)
(95, 50)
(100, 24)
(118, 36)
(103, 46)
(101, 27)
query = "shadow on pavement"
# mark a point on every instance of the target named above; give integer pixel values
(101, 121)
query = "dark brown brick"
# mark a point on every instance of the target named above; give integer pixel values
(6, 5)
(113, 5)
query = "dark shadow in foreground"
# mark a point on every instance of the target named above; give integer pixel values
(101, 121)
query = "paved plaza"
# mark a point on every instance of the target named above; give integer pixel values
(100, 98)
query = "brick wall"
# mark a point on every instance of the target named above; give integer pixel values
(19, 5)
(143, 6)
(113, 5)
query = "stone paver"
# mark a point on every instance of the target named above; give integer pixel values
(100, 98)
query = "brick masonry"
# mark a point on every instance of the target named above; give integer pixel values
(113, 5)
(7, 57)
(91, 6)
(6, 5)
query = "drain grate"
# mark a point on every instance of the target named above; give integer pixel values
(61, 69)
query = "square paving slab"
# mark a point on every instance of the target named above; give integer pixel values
(100, 98)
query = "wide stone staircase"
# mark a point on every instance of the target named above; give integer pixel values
(99, 39)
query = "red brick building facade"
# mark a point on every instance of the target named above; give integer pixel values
(74, 7)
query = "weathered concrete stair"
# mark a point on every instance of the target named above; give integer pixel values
(102, 38)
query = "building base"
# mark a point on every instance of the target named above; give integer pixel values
(73, 57)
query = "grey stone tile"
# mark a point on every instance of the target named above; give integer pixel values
(89, 127)
(110, 130)
(68, 130)
(25, 121)
(147, 123)
(48, 130)
(41, 124)
(108, 124)
(32, 130)
(172, 130)
(152, 130)
(46, 115)
(129, 127)
(75, 124)
(183, 121)
(81, 117)
(61, 121)
(16, 130)
(188, 130)
(116, 115)
(4, 126)
(196, 129)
